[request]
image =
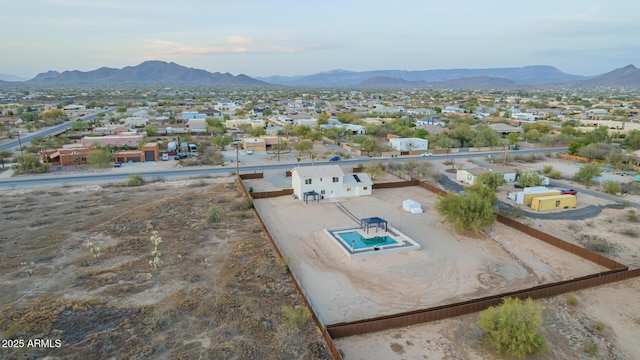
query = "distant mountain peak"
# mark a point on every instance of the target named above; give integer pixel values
(151, 72)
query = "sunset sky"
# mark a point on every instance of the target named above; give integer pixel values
(283, 37)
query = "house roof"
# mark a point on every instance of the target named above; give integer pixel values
(359, 179)
(504, 128)
(431, 129)
(318, 171)
(497, 169)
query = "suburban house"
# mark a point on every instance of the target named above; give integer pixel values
(328, 181)
(122, 139)
(148, 152)
(197, 125)
(469, 176)
(70, 155)
(408, 145)
(505, 129)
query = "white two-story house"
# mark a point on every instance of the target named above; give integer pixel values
(328, 181)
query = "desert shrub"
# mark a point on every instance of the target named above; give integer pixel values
(296, 316)
(546, 169)
(513, 328)
(597, 245)
(598, 325)
(610, 187)
(244, 204)
(554, 174)
(589, 347)
(135, 180)
(630, 232)
(632, 216)
(571, 300)
(214, 213)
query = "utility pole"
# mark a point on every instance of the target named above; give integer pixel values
(237, 164)
(20, 143)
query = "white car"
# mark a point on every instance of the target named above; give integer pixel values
(426, 154)
(249, 151)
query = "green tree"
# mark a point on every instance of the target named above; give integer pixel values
(369, 144)
(256, 131)
(30, 163)
(485, 136)
(100, 158)
(513, 138)
(323, 118)
(530, 179)
(374, 170)
(472, 211)
(151, 130)
(601, 134)
(215, 126)
(586, 174)
(513, 328)
(632, 140)
(594, 151)
(421, 133)
(79, 125)
(220, 141)
(491, 180)
(532, 135)
(304, 146)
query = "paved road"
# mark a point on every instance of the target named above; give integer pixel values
(25, 139)
(120, 175)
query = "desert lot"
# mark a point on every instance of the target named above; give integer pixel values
(219, 292)
(448, 268)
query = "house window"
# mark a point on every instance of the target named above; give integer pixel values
(307, 181)
(335, 179)
(348, 189)
(321, 192)
(84, 159)
(558, 203)
(365, 188)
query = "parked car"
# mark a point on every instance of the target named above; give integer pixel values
(165, 157)
(426, 154)
(568, 192)
(334, 158)
(117, 164)
(180, 156)
(249, 151)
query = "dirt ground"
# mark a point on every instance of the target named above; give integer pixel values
(218, 294)
(452, 267)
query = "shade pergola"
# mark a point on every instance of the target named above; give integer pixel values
(366, 223)
(312, 193)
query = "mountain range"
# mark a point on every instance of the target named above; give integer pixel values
(151, 73)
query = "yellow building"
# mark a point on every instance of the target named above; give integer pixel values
(528, 198)
(554, 202)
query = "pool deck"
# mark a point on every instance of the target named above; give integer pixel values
(403, 242)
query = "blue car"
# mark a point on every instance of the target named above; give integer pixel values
(335, 158)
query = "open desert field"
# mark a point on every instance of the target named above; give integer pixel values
(218, 291)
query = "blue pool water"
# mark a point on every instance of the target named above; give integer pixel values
(362, 242)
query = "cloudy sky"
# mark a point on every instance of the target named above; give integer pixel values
(285, 37)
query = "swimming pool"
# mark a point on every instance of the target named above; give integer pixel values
(353, 238)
